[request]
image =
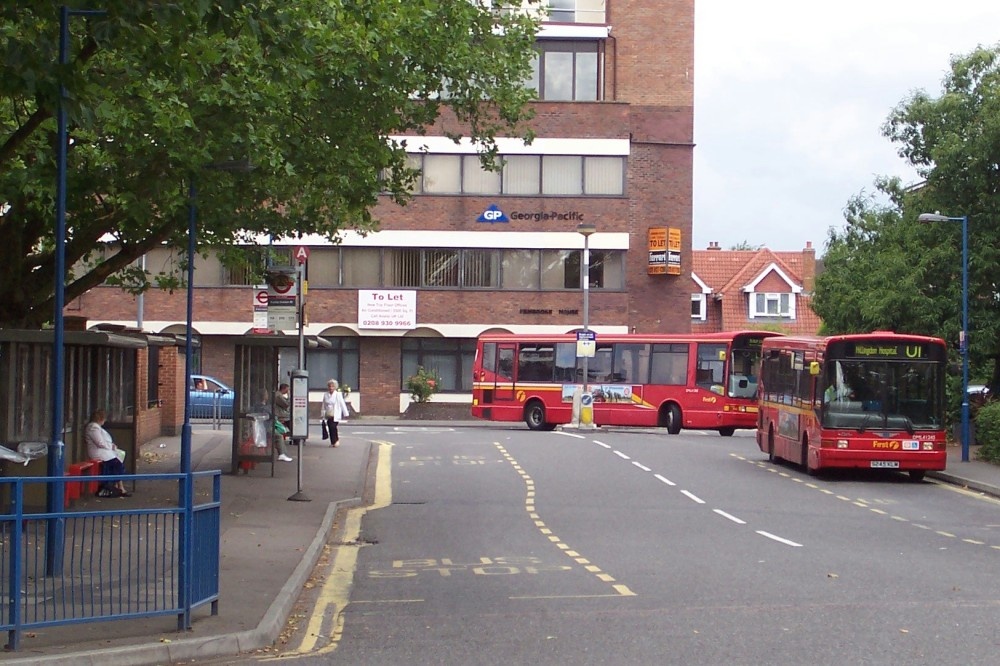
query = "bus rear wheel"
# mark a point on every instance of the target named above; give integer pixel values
(727, 432)
(917, 475)
(771, 458)
(534, 415)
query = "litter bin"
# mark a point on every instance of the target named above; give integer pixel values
(254, 442)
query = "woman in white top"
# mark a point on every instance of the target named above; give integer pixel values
(100, 446)
(334, 410)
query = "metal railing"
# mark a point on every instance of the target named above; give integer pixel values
(107, 564)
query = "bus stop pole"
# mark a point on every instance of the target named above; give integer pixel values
(300, 395)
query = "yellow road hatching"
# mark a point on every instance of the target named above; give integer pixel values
(529, 506)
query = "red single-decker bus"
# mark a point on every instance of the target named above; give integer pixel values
(672, 381)
(871, 401)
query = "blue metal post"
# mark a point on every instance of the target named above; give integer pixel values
(56, 459)
(55, 496)
(185, 577)
(965, 338)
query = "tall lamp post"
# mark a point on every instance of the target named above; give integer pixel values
(56, 460)
(586, 229)
(963, 341)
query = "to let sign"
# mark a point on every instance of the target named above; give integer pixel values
(387, 310)
(657, 251)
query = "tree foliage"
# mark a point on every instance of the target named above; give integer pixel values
(309, 92)
(885, 270)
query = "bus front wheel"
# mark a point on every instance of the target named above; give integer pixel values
(805, 458)
(673, 418)
(727, 432)
(534, 415)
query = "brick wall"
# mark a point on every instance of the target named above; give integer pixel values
(380, 367)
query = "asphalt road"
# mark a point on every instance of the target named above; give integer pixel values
(504, 546)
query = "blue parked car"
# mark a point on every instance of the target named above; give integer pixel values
(210, 398)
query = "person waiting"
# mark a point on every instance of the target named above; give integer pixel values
(101, 446)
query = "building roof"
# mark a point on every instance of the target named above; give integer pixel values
(732, 274)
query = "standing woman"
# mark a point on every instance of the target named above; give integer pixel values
(334, 410)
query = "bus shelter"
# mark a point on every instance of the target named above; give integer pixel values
(256, 379)
(100, 372)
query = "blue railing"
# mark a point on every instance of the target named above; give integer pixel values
(111, 564)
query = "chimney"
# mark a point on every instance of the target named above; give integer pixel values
(809, 268)
(714, 245)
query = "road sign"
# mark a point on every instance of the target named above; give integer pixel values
(586, 344)
(302, 254)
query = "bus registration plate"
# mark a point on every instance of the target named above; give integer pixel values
(882, 464)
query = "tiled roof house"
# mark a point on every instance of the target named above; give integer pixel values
(745, 289)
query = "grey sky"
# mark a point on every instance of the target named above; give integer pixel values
(790, 96)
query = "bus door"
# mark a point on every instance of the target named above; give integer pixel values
(504, 382)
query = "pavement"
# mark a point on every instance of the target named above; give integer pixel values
(270, 545)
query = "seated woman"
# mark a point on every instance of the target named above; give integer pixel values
(100, 446)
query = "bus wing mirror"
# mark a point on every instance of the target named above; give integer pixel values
(814, 368)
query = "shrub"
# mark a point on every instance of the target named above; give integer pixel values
(423, 385)
(988, 431)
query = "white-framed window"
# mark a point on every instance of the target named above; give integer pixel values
(699, 309)
(772, 304)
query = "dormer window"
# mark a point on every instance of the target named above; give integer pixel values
(770, 304)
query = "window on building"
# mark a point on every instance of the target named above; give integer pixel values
(401, 267)
(441, 268)
(442, 174)
(576, 11)
(519, 269)
(560, 269)
(698, 306)
(480, 268)
(603, 175)
(476, 179)
(341, 362)
(562, 174)
(323, 267)
(565, 70)
(361, 267)
(772, 305)
(522, 174)
(449, 358)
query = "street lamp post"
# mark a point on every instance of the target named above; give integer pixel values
(586, 229)
(963, 341)
(56, 459)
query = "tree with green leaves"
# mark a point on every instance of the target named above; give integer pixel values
(885, 270)
(309, 92)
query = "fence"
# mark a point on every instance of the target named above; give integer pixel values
(76, 566)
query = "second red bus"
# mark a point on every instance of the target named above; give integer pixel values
(670, 381)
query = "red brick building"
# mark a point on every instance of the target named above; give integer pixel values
(480, 251)
(735, 290)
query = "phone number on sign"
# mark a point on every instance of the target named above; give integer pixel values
(392, 323)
